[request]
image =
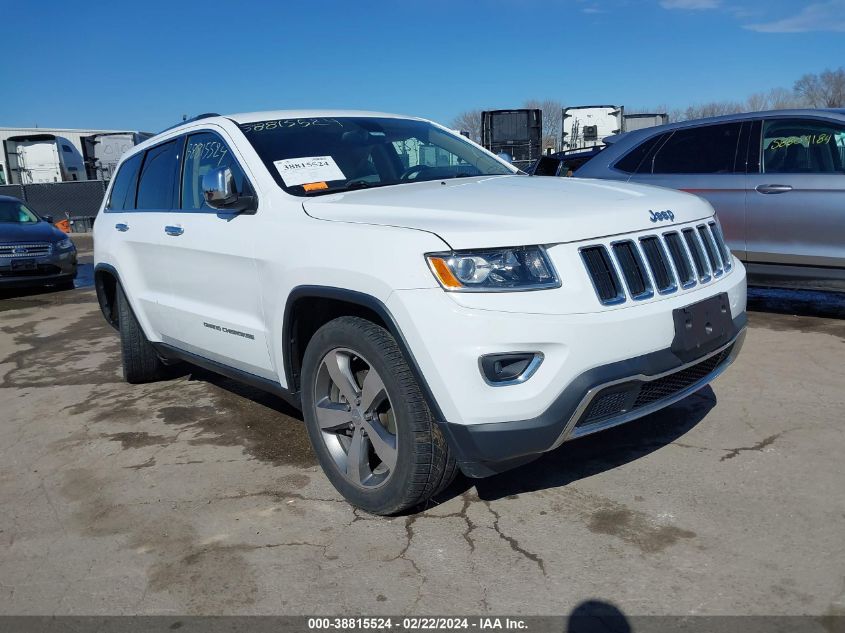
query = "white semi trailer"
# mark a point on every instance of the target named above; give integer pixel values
(42, 158)
(640, 120)
(100, 150)
(588, 126)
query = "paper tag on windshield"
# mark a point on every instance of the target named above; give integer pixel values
(301, 171)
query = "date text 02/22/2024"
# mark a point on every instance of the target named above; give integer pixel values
(416, 624)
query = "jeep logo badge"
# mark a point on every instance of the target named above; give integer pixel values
(659, 216)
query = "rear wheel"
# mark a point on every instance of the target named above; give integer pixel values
(140, 361)
(369, 424)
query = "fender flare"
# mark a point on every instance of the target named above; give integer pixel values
(101, 291)
(366, 301)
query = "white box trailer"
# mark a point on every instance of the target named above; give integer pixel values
(588, 126)
(639, 121)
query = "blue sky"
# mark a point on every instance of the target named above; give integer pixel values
(141, 65)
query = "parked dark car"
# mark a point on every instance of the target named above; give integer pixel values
(776, 180)
(32, 251)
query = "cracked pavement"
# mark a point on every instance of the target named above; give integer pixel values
(201, 496)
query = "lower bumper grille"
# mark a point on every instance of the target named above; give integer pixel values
(628, 397)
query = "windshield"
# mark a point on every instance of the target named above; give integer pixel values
(315, 156)
(16, 213)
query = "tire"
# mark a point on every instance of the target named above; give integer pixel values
(140, 362)
(388, 404)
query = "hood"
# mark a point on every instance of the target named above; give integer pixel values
(38, 232)
(511, 210)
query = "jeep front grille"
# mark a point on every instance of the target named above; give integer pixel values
(32, 249)
(662, 263)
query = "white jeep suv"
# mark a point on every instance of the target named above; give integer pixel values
(428, 307)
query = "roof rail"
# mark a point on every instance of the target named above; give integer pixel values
(205, 115)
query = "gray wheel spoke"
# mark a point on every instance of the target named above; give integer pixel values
(373, 392)
(333, 416)
(350, 403)
(383, 442)
(341, 374)
(356, 459)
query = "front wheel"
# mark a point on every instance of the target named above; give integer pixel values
(369, 424)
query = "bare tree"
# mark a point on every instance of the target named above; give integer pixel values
(552, 121)
(675, 115)
(825, 90)
(714, 108)
(469, 121)
(782, 99)
(757, 102)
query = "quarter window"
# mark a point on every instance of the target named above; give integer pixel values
(159, 182)
(803, 147)
(206, 151)
(708, 149)
(122, 197)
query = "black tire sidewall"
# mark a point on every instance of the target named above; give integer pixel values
(342, 333)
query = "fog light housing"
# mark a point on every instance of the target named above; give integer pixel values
(509, 368)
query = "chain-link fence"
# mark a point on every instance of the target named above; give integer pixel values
(76, 201)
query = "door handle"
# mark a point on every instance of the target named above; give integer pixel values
(175, 231)
(773, 188)
(122, 227)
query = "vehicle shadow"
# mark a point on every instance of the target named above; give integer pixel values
(570, 462)
(593, 454)
(813, 303)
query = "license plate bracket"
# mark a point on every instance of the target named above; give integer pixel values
(23, 264)
(702, 327)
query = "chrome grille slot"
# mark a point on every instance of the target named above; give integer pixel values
(633, 270)
(34, 249)
(661, 271)
(727, 259)
(603, 275)
(697, 252)
(679, 257)
(713, 256)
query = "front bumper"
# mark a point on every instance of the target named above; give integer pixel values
(593, 361)
(598, 399)
(51, 269)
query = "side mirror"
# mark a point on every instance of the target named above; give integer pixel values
(218, 189)
(47, 218)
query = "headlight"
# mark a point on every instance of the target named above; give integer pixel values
(64, 244)
(494, 270)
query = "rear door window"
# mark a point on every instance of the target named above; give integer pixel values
(796, 146)
(206, 151)
(708, 149)
(158, 185)
(638, 160)
(122, 197)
